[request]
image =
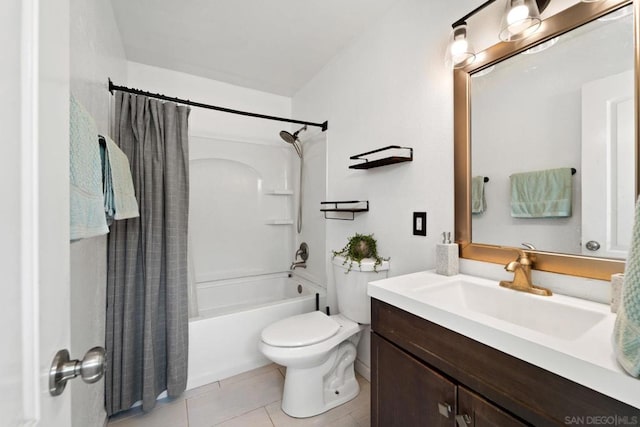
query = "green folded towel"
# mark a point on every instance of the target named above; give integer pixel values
(626, 332)
(85, 193)
(478, 201)
(541, 194)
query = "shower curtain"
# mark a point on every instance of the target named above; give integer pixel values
(147, 307)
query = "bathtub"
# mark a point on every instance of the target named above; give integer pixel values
(223, 338)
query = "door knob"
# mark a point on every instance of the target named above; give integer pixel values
(592, 245)
(90, 368)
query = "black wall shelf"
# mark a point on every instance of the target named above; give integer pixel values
(368, 164)
(348, 206)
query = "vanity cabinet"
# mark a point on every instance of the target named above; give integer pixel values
(410, 393)
(425, 375)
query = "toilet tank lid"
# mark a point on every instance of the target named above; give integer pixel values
(365, 265)
(300, 330)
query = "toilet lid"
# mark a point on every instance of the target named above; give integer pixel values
(300, 330)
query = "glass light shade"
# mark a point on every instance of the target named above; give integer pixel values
(521, 18)
(460, 50)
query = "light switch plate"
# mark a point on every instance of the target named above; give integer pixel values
(419, 223)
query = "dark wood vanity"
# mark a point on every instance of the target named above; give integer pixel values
(425, 375)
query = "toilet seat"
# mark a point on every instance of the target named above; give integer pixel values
(301, 330)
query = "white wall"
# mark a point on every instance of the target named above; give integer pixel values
(390, 86)
(96, 54)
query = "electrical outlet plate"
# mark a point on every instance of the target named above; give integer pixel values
(419, 223)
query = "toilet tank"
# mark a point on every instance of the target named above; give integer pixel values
(351, 287)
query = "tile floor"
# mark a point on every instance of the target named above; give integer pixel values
(251, 399)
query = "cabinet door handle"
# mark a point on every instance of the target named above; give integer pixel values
(463, 420)
(444, 409)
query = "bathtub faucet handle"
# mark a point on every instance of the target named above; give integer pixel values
(303, 253)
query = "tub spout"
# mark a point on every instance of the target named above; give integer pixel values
(299, 264)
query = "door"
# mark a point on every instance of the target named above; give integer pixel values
(34, 213)
(608, 165)
(405, 392)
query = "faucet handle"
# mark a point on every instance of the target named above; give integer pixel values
(524, 258)
(303, 252)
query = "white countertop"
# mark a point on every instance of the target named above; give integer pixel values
(588, 359)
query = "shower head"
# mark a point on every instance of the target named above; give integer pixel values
(289, 137)
(292, 139)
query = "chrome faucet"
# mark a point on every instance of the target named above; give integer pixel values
(297, 264)
(303, 253)
(521, 269)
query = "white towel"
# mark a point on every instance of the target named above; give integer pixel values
(86, 199)
(626, 332)
(119, 194)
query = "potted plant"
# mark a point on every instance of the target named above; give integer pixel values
(359, 247)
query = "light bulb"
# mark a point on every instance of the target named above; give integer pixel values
(517, 13)
(521, 18)
(459, 46)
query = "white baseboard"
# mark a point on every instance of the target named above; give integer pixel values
(363, 369)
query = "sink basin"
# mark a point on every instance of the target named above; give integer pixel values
(547, 315)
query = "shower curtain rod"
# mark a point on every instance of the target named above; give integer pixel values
(113, 87)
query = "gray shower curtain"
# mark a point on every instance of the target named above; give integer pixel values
(147, 307)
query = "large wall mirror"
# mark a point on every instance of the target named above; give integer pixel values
(559, 107)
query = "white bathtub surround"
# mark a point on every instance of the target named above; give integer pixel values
(223, 339)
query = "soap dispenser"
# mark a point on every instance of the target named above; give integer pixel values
(447, 256)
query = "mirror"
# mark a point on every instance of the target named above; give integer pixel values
(522, 109)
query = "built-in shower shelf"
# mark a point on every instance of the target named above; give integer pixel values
(279, 222)
(279, 192)
(347, 206)
(392, 154)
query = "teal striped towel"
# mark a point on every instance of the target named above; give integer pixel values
(478, 201)
(86, 199)
(626, 332)
(541, 194)
(119, 195)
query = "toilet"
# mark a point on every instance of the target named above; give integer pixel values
(319, 350)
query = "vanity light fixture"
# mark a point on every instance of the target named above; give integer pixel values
(460, 50)
(521, 18)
